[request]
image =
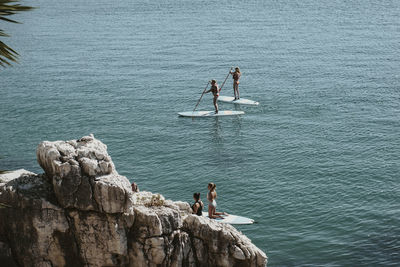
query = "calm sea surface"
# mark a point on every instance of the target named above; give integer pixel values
(316, 164)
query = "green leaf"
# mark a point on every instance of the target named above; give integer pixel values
(9, 20)
(8, 8)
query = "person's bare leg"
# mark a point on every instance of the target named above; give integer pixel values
(237, 90)
(234, 90)
(216, 216)
(215, 104)
(212, 214)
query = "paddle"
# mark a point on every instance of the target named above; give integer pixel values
(225, 79)
(198, 102)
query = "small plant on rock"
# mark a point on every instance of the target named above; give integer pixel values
(156, 200)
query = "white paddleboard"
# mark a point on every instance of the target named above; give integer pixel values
(210, 113)
(242, 101)
(232, 219)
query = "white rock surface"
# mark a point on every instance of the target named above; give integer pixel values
(83, 175)
(81, 212)
(11, 175)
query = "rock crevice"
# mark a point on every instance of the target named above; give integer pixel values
(81, 212)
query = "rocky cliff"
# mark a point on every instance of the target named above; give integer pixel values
(81, 212)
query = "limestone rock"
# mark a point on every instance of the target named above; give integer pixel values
(112, 193)
(32, 225)
(231, 246)
(155, 221)
(11, 175)
(147, 199)
(83, 175)
(102, 238)
(154, 248)
(81, 212)
(6, 257)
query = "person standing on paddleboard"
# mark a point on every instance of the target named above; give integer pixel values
(215, 90)
(236, 76)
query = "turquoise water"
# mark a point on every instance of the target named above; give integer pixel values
(316, 164)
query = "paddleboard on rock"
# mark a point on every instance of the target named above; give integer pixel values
(242, 101)
(210, 113)
(232, 219)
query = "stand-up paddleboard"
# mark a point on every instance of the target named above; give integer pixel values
(242, 101)
(210, 113)
(232, 219)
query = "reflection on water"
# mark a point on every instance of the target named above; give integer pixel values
(237, 125)
(232, 124)
(237, 107)
(216, 132)
(224, 131)
(237, 121)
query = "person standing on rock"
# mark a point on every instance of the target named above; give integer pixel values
(198, 205)
(212, 203)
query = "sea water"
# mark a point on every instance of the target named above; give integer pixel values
(316, 164)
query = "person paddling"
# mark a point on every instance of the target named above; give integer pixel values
(215, 90)
(236, 76)
(198, 205)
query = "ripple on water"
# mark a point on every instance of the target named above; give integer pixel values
(316, 164)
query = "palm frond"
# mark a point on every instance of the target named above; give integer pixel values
(8, 8)
(2, 205)
(2, 33)
(9, 20)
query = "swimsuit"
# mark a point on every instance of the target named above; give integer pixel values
(212, 203)
(215, 90)
(236, 76)
(199, 209)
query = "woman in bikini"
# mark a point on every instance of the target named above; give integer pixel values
(215, 90)
(236, 76)
(212, 204)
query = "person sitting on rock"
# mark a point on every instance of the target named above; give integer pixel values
(135, 187)
(198, 205)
